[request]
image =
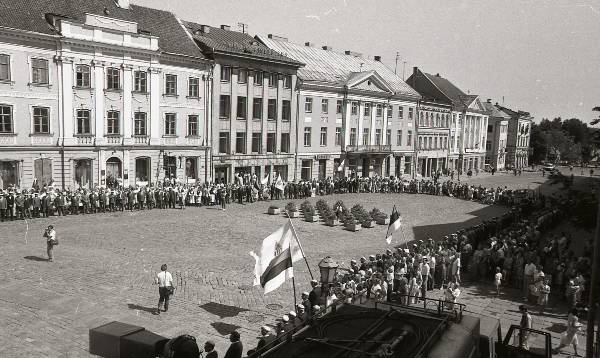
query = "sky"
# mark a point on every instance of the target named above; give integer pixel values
(539, 56)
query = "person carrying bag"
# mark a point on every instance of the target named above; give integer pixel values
(51, 241)
(164, 280)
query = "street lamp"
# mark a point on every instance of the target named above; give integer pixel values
(328, 268)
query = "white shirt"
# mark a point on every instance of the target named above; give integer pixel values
(164, 279)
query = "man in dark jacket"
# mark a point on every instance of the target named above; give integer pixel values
(236, 348)
(59, 202)
(37, 205)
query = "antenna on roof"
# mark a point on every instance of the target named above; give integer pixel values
(403, 68)
(397, 58)
(243, 26)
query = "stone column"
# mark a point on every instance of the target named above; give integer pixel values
(127, 105)
(99, 116)
(155, 106)
(361, 116)
(67, 94)
(385, 126)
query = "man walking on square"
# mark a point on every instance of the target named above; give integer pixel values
(51, 241)
(164, 280)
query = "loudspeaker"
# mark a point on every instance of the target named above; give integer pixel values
(105, 341)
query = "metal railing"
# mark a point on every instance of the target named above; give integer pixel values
(439, 307)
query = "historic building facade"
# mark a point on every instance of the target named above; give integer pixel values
(354, 114)
(468, 121)
(518, 138)
(433, 137)
(114, 99)
(253, 105)
(497, 134)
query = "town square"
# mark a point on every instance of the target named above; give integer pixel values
(229, 179)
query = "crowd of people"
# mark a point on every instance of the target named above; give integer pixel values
(48, 200)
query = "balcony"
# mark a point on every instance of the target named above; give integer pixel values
(140, 140)
(114, 139)
(374, 148)
(85, 140)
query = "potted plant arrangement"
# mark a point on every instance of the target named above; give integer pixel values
(305, 204)
(350, 221)
(339, 207)
(274, 210)
(292, 210)
(362, 216)
(310, 214)
(380, 217)
(367, 220)
(330, 216)
(321, 205)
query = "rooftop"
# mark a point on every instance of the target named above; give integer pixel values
(29, 15)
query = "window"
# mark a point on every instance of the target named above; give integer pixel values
(82, 76)
(112, 78)
(430, 143)
(365, 136)
(258, 78)
(285, 143)
(338, 107)
(192, 125)
(223, 142)
(307, 136)
(490, 128)
(139, 124)
(407, 165)
(240, 142)
(241, 108)
(112, 123)
(256, 141)
(338, 136)
(41, 120)
(271, 145)
(323, 138)
(378, 136)
(445, 143)
(39, 71)
(410, 113)
(242, 76)
(378, 110)
(257, 104)
(272, 80)
(140, 81)
(352, 136)
(170, 123)
(388, 136)
(389, 112)
(354, 108)
(194, 87)
(287, 81)
(171, 85)
(224, 106)
(225, 74)
(437, 120)
(306, 171)
(399, 137)
(83, 121)
(421, 143)
(286, 110)
(272, 109)
(409, 138)
(367, 111)
(4, 68)
(488, 145)
(308, 102)
(435, 143)
(6, 125)
(324, 106)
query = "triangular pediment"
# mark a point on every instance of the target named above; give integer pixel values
(368, 81)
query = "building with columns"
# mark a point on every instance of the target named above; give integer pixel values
(355, 114)
(253, 104)
(497, 134)
(518, 138)
(468, 121)
(125, 91)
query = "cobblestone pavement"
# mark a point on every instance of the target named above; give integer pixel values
(105, 265)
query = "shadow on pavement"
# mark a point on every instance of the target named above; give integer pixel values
(35, 258)
(132, 306)
(224, 328)
(222, 310)
(557, 328)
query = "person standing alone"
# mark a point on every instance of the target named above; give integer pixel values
(51, 241)
(164, 280)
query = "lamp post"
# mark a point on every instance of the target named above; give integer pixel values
(328, 268)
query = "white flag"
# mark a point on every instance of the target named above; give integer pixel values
(265, 180)
(279, 183)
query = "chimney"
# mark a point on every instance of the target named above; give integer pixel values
(415, 71)
(205, 29)
(123, 4)
(352, 53)
(377, 58)
(437, 75)
(489, 100)
(277, 38)
(308, 44)
(327, 48)
(225, 27)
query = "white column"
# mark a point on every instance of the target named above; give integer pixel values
(155, 106)
(385, 126)
(372, 130)
(67, 94)
(127, 169)
(361, 116)
(347, 123)
(99, 116)
(127, 113)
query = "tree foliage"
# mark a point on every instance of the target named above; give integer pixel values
(557, 139)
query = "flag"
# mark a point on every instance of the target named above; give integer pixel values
(395, 222)
(279, 251)
(265, 180)
(341, 166)
(279, 183)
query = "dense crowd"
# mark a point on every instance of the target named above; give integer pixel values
(170, 193)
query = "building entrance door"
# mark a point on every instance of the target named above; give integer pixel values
(221, 174)
(9, 174)
(113, 172)
(83, 173)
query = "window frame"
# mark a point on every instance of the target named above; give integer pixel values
(9, 116)
(399, 137)
(110, 79)
(308, 105)
(273, 147)
(8, 67)
(354, 108)
(307, 137)
(140, 81)
(367, 110)
(287, 81)
(285, 142)
(378, 110)
(40, 120)
(79, 118)
(323, 137)
(257, 103)
(240, 77)
(45, 71)
(353, 138)
(273, 79)
(366, 136)
(193, 132)
(193, 89)
(136, 120)
(325, 105)
(286, 110)
(241, 113)
(83, 74)
(257, 75)
(225, 74)
(225, 110)
(116, 125)
(256, 139)
(338, 136)
(272, 109)
(244, 145)
(339, 106)
(170, 85)
(170, 123)
(225, 137)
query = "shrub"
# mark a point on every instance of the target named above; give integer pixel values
(273, 207)
(359, 213)
(308, 209)
(291, 206)
(304, 205)
(321, 204)
(339, 204)
(348, 218)
(377, 214)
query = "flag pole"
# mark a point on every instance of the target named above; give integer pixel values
(300, 246)
(293, 279)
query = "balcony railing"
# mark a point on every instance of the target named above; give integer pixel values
(140, 140)
(375, 148)
(86, 140)
(114, 139)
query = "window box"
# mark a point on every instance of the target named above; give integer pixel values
(331, 222)
(353, 227)
(273, 210)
